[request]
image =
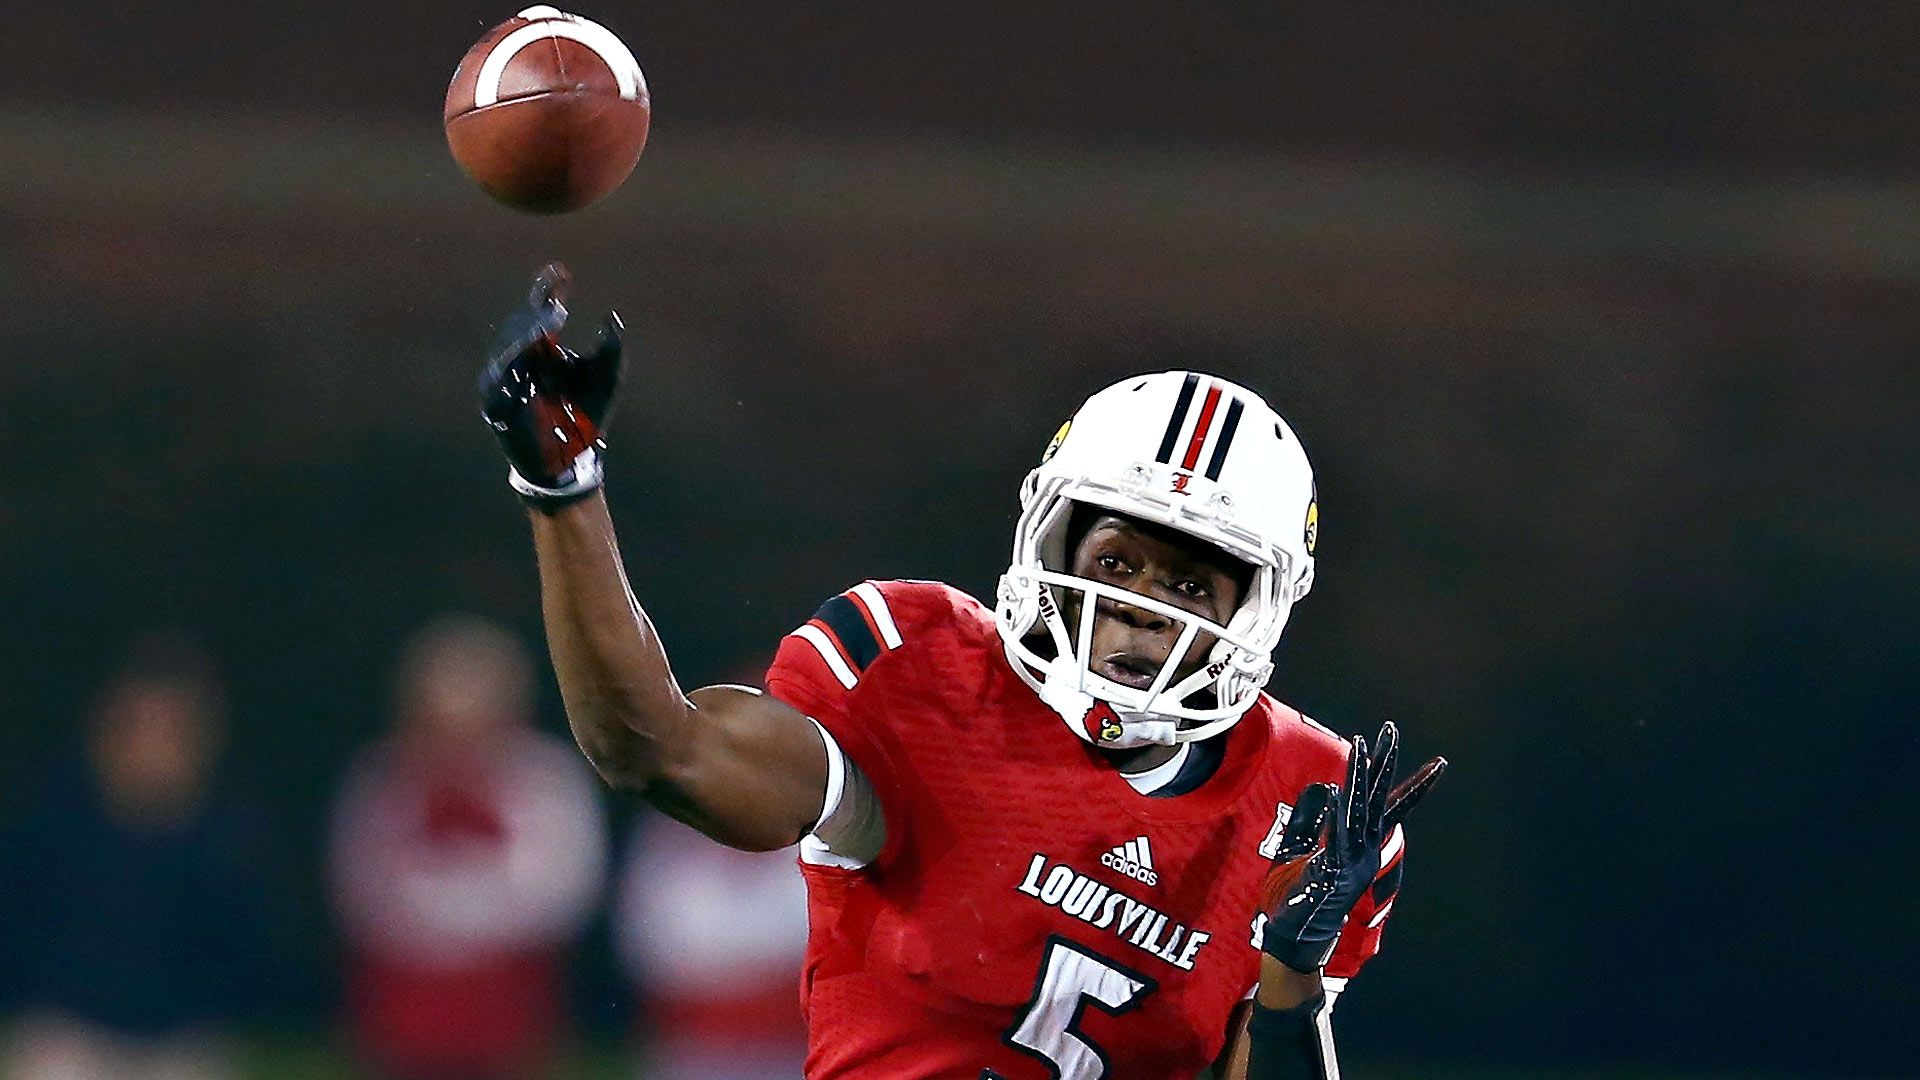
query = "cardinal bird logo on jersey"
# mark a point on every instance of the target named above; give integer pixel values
(1102, 722)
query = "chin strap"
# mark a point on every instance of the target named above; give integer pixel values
(1096, 721)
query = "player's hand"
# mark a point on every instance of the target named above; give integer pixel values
(548, 404)
(1331, 850)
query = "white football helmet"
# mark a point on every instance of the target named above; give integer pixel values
(1198, 454)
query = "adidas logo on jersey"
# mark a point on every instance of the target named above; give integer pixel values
(1134, 859)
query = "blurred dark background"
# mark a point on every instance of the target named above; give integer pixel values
(1601, 322)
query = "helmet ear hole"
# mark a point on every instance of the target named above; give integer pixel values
(1079, 523)
(1050, 535)
(1243, 574)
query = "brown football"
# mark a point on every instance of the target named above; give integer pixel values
(548, 111)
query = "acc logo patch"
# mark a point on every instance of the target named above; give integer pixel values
(1313, 523)
(1058, 438)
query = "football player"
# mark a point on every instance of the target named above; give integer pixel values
(1067, 836)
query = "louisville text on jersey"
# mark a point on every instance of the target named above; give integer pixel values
(1105, 908)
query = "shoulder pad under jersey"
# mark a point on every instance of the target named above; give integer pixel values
(853, 630)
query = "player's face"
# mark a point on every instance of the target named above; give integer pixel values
(1131, 644)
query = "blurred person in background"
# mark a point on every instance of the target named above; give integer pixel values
(139, 913)
(712, 939)
(468, 850)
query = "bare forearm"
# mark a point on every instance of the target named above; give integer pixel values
(1281, 987)
(741, 767)
(626, 710)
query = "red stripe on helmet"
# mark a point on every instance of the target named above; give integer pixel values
(1200, 427)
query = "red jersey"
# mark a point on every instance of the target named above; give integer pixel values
(1031, 915)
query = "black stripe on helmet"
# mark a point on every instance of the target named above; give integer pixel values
(1226, 439)
(1179, 419)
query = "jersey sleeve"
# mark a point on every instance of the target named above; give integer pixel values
(819, 665)
(1360, 938)
(821, 668)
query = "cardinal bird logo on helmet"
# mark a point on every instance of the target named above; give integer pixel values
(1058, 438)
(1103, 723)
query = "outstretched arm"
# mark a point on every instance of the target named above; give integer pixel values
(746, 769)
(743, 768)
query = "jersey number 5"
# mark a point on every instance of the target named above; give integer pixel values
(1072, 978)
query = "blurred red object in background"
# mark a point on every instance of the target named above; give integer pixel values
(468, 851)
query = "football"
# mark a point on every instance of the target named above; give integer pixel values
(548, 111)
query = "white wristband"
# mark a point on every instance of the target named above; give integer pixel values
(585, 475)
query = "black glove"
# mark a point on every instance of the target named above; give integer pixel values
(1309, 892)
(549, 404)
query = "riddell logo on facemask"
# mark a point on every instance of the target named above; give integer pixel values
(1047, 609)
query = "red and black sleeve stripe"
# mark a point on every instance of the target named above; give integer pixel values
(858, 639)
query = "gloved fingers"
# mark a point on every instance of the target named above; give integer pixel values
(551, 286)
(531, 333)
(1308, 823)
(1404, 796)
(1353, 805)
(592, 377)
(535, 326)
(605, 358)
(1386, 753)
